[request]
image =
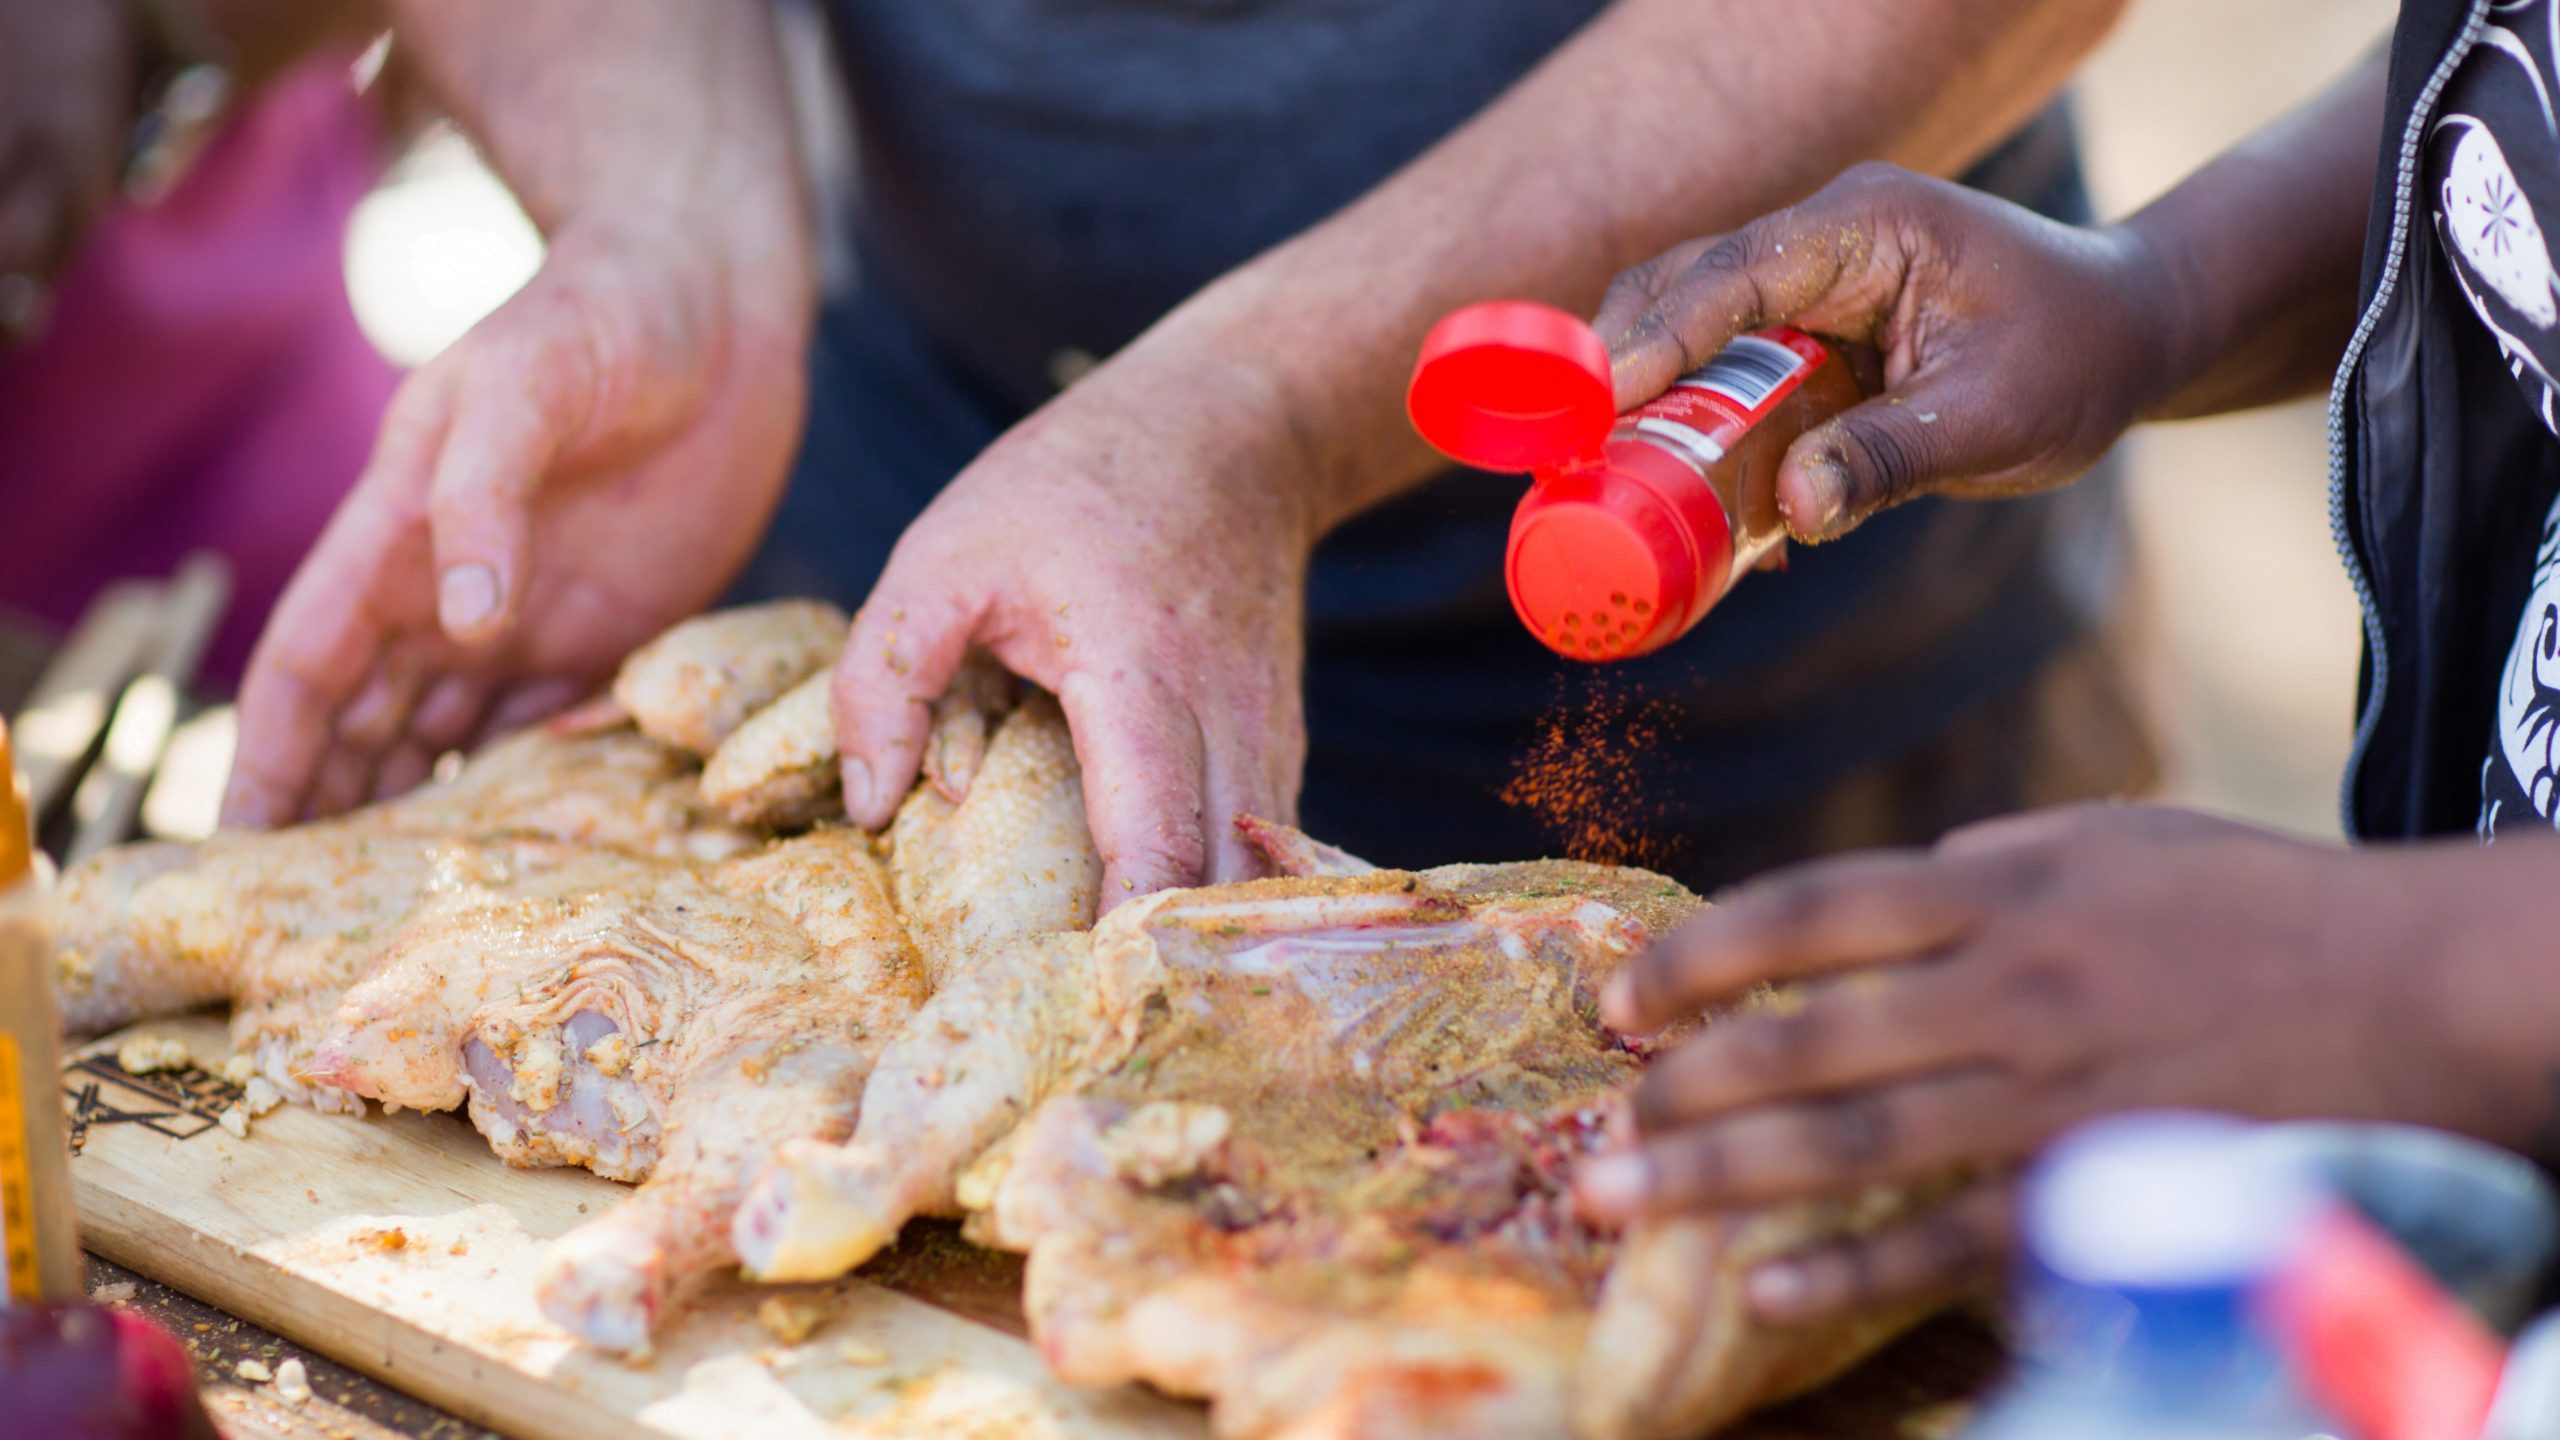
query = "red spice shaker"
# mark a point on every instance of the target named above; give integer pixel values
(1636, 524)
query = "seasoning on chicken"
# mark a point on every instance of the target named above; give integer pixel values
(644, 1020)
(694, 685)
(563, 936)
(281, 923)
(1300, 1146)
(993, 846)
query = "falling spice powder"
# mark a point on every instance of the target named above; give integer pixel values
(1585, 777)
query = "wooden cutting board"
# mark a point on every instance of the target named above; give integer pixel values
(400, 1247)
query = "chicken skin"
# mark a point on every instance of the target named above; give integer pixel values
(568, 939)
(1301, 1146)
(644, 1020)
(281, 924)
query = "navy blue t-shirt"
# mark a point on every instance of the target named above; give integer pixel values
(1042, 179)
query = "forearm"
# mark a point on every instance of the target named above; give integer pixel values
(2482, 979)
(664, 117)
(1663, 120)
(2258, 255)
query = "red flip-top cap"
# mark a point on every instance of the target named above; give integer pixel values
(1512, 385)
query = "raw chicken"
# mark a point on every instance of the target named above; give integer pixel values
(990, 847)
(694, 685)
(1032, 1021)
(993, 847)
(1300, 1146)
(641, 1019)
(280, 924)
(779, 768)
(562, 936)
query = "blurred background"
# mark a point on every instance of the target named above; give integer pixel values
(2252, 630)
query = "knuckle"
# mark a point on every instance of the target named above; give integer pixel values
(1169, 851)
(1766, 1050)
(1691, 1168)
(1855, 1132)
(1635, 289)
(1654, 330)
(1886, 456)
(1868, 175)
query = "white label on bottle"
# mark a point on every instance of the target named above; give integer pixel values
(1697, 443)
(1748, 371)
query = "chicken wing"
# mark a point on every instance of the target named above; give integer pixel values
(694, 685)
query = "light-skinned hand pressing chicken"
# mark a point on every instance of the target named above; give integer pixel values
(1952, 1009)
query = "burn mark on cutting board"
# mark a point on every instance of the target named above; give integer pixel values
(180, 1104)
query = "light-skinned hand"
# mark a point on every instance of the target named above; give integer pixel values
(1137, 546)
(585, 467)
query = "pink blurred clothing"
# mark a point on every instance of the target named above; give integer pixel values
(201, 382)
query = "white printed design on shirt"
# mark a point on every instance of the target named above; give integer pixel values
(2492, 226)
(2529, 690)
(2484, 216)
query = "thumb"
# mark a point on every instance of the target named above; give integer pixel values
(904, 649)
(478, 508)
(1907, 442)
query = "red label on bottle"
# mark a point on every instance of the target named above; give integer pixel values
(1705, 412)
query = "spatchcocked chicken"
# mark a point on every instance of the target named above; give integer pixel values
(1299, 1146)
(566, 939)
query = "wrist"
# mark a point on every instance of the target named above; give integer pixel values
(1229, 412)
(2167, 346)
(754, 261)
(2474, 956)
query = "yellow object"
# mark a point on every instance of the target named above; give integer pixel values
(17, 837)
(38, 1245)
(17, 1186)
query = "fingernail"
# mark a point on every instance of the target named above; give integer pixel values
(1618, 1004)
(857, 786)
(1830, 497)
(467, 596)
(1777, 1290)
(1614, 1184)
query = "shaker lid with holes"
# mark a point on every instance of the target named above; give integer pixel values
(1605, 561)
